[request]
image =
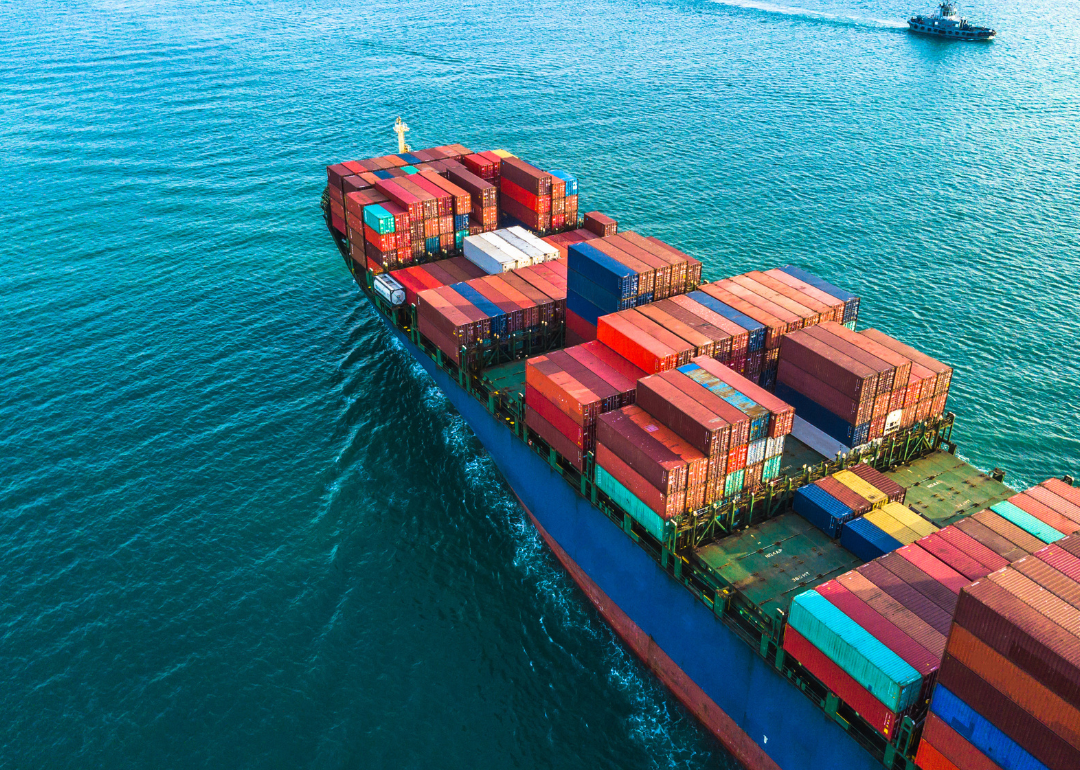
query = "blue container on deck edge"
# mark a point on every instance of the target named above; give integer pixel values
(866, 540)
(586, 289)
(461, 221)
(408, 157)
(571, 181)
(582, 308)
(851, 301)
(821, 509)
(981, 733)
(822, 419)
(383, 174)
(610, 275)
(756, 340)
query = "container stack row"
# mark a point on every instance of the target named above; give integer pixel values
(695, 436)
(622, 271)
(507, 249)
(484, 199)
(876, 636)
(432, 275)
(859, 386)
(567, 390)
(484, 312)
(537, 199)
(834, 501)
(1008, 692)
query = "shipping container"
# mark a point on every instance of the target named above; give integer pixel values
(911, 624)
(1029, 543)
(554, 438)
(660, 506)
(781, 414)
(929, 758)
(881, 519)
(973, 548)
(821, 509)
(840, 682)
(851, 302)
(600, 224)
(642, 451)
(882, 672)
(1016, 684)
(701, 428)
(921, 581)
(1026, 522)
(1024, 635)
(943, 373)
(948, 553)
(1056, 502)
(908, 596)
(1007, 549)
(1044, 513)
(953, 746)
(982, 734)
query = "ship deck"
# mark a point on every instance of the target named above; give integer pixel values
(944, 489)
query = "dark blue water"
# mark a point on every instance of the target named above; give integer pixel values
(241, 529)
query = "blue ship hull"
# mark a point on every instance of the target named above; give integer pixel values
(764, 720)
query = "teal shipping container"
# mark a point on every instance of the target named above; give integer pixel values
(629, 502)
(847, 644)
(378, 219)
(1027, 522)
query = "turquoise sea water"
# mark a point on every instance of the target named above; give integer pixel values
(241, 529)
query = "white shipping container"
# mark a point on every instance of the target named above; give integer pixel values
(389, 289)
(485, 256)
(892, 421)
(549, 251)
(755, 453)
(535, 255)
(520, 258)
(774, 447)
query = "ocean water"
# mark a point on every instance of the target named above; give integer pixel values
(241, 529)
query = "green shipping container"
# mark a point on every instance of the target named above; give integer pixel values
(771, 469)
(734, 483)
(628, 501)
(378, 219)
(1027, 522)
(847, 644)
(459, 239)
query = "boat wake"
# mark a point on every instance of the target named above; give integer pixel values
(823, 16)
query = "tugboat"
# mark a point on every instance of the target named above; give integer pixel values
(946, 22)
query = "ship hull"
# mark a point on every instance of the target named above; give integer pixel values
(972, 35)
(760, 717)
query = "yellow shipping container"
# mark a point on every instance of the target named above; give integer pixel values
(887, 524)
(910, 519)
(876, 497)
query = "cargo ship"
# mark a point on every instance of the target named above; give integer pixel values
(760, 497)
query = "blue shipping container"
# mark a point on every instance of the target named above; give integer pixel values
(644, 299)
(571, 181)
(851, 302)
(610, 275)
(431, 245)
(493, 311)
(822, 419)
(756, 340)
(980, 733)
(383, 174)
(408, 157)
(866, 540)
(821, 509)
(586, 289)
(461, 222)
(581, 307)
(759, 415)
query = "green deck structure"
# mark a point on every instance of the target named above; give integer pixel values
(771, 562)
(944, 489)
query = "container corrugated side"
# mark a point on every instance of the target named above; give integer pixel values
(645, 516)
(881, 519)
(929, 758)
(1026, 522)
(981, 733)
(999, 544)
(821, 509)
(1039, 598)
(907, 596)
(910, 623)
(926, 585)
(866, 540)
(954, 747)
(874, 666)
(1058, 583)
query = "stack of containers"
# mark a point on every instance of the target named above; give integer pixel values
(525, 193)
(483, 164)
(928, 388)
(430, 208)
(851, 386)
(851, 302)
(647, 469)
(334, 176)
(748, 335)
(614, 273)
(486, 311)
(507, 249)
(835, 500)
(483, 197)
(1007, 695)
(564, 201)
(770, 419)
(433, 275)
(567, 390)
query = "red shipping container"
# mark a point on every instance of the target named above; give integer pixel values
(600, 224)
(854, 411)
(953, 556)
(1005, 676)
(739, 430)
(1032, 735)
(736, 460)
(579, 326)
(1056, 502)
(1002, 546)
(922, 582)
(1061, 560)
(929, 758)
(844, 494)
(646, 455)
(538, 203)
(934, 567)
(1054, 581)
(953, 747)
(844, 374)
(896, 613)
(701, 428)
(580, 403)
(907, 596)
(1063, 490)
(886, 632)
(667, 506)
(943, 373)
(559, 420)
(615, 361)
(877, 428)
(879, 481)
(554, 439)
(1028, 542)
(337, 223)
(1040, 598)
(973, 548)
(637, 346)
(626, 388)
(1024, 635)
(836, 305)
(1045, 514)
(840, 682)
